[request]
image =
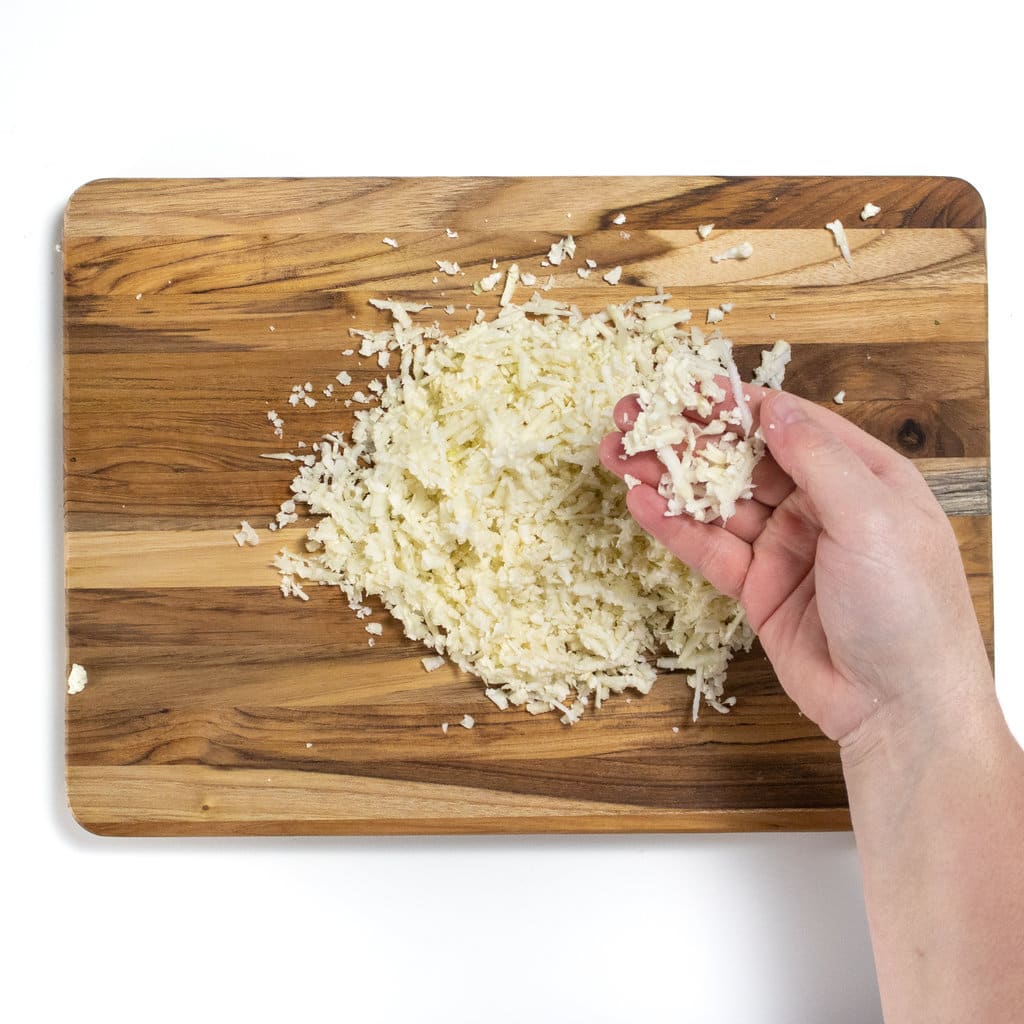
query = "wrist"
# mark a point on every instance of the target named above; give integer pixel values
(911, 731)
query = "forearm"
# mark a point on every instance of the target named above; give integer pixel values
(938, 813)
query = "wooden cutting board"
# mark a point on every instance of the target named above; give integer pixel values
(191, 308)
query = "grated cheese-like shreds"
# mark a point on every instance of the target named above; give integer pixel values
(471, 501)
(708, 460)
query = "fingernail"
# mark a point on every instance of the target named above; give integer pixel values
(785, 409)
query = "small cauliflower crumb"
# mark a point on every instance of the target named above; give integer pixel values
(391, 242)
(705, 229)
(869, 211)
(467, 722)
(565, 248)
(432, 663)
(631, 481)
(486, 284)
(448, 267)
(77, 678)
(444, 728)
(528, 279)
(743, 251)
(497, 697)
(613, 276)
(715, 316)
(450, 233)
(511, 280)
(583, 272)
(620, 219)
(839, 397)
(839, 234)
(246, 535)
(344, 378)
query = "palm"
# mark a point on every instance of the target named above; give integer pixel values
(780, 595)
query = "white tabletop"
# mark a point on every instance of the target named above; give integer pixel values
(738, 928)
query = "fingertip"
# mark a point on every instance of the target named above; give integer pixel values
(626, 411)
(609, 451)
(646, 506)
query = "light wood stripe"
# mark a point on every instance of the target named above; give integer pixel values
(274, 268)
(197, 800)
(108, 559)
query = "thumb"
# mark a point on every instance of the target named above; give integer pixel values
(827, 470)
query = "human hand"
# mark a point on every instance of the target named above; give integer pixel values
(845, 564)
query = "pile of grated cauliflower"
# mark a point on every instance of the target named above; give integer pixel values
(471, 500)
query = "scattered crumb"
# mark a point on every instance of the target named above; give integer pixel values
(371, 642)
(715, 316)
(77, 678)
(447, 267)
(613, 276)
(631, 481)
(498, 697)
(528, 279)
(309, 746)
(675, 728)
(839, 397)
(246, 535)
(139, 296)
(771, 316)
(620, 219)
(743, 251)
(432, 663)
(592, 264)
(450, 233)
(839, 234)
(486, 284)
(467, 722)
(444, 728)
(869, 211)
(348, 351)
(344, 378)
(272, 328)
(374, 629)
(583, 272)
(391, 242)
(705, 229)
(726, 307)
(625, 236)
(564, 248)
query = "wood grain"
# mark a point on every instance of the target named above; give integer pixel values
(193, 306)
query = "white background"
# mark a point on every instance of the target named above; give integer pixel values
(765, 928)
